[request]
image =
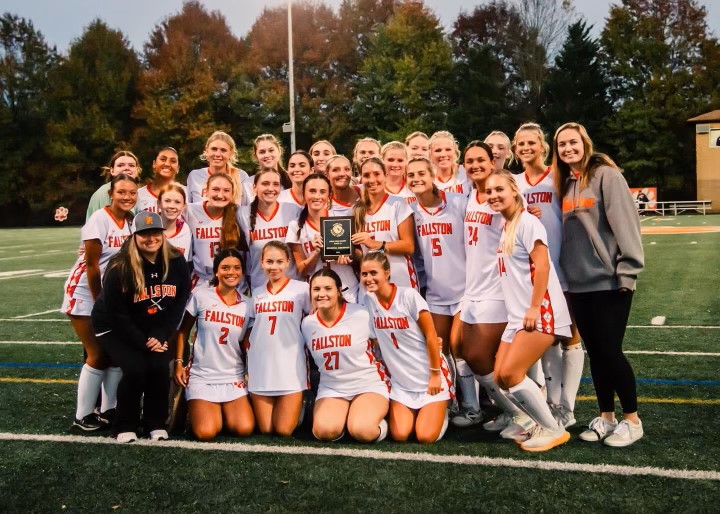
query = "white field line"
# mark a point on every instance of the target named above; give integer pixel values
(41, 343)
(33, 320)
(44, 254)
(35, 245)
(571, 467)
(36, 314)
(45, 273)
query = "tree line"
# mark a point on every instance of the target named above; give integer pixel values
(378, 68)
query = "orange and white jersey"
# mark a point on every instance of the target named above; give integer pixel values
(382, 225)
(197, 182)
(517, 276)
(404, 193)
(344, 352)
(401, 340)
(460, 183)
(440, 237)
(272, 228)
(111, 233)
(287, 196)
(147, 199)
(483, 227)
(182, 239)
(206, 232)
(542, 193)
(276, 354)
(337, 208)
(217, 352)
(345, 271)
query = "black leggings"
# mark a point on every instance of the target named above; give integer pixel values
(601, 318)
(144, 372)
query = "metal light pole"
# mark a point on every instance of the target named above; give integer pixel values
(291, 78)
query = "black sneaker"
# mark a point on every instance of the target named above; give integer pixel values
(106, 418)
(89, 423)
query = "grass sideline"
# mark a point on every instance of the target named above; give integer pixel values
(84, 477)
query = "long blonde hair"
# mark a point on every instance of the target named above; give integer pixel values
(361, 207)
(444, 134)
(537, 129)
(233, 172)
(588, 164)
(128, 262)
(512, 223)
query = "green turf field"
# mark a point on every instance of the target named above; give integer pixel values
(46, 468)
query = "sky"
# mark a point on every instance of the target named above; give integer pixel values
(61, 21)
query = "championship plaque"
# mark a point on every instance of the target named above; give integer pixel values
(336, 234)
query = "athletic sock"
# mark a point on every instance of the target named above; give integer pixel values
(572, 368)
(466, 384)
(89, 385)
(497, 394)
(110, 383)
(536, 373)
(552, 368)
(531, 400)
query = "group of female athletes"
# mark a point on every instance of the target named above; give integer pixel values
(461, 274)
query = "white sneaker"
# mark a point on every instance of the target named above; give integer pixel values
(466, 418)
(383, 430)
(541, 439)
(126, 437)
(598, 429)
(565, 418)
(499, 423)
(159, 435)
(625, 434)
(519, 429)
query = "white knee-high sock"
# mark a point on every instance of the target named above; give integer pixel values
(466, 384)
(552, 368)
(110, 383)
(536, 373)
(88, 390)
(573, 360)
(497, 394)
(531, 400)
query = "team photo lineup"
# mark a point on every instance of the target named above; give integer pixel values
(466, 287)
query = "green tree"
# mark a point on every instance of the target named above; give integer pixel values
(191, 60)
(403, 80)
(25, 62)
(94, 90)
(663, 66)
(577, 86)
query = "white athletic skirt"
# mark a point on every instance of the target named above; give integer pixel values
(215, 393)
(560, 333)
(444, 310)
(326, 392)
(417, 400)
(484, 311)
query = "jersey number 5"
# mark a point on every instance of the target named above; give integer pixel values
(332, 360)
(436, 248)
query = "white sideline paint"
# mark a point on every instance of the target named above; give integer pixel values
(47, 274)
(11, 274)
(32, 320)
(36, 314)
(674, 326)
(49, 252)
(40, 342)
(607, 469)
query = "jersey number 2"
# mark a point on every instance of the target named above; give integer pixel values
(224, 332)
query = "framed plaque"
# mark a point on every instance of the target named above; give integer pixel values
(336, 233)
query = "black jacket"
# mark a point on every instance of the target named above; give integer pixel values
(156, 313)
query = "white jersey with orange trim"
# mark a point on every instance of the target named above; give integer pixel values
(111, 233)
(382, 224)
(517, 274)
(344, 352)
(337, 208)
(483, 227)
(441, 241)
(197, 180)
(147, 199)
(459, 183)
(217, 353)
(345, 271)
(404, 193)
(276, 354)
(401, 340)
(206, 233)
(288, 196)
(182, 239)
(273, 228)
(543, 194)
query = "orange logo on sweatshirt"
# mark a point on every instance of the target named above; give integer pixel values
(577, 203)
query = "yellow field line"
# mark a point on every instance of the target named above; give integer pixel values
(676, 401)
(38, 380)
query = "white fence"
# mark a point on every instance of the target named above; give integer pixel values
(675, 208)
